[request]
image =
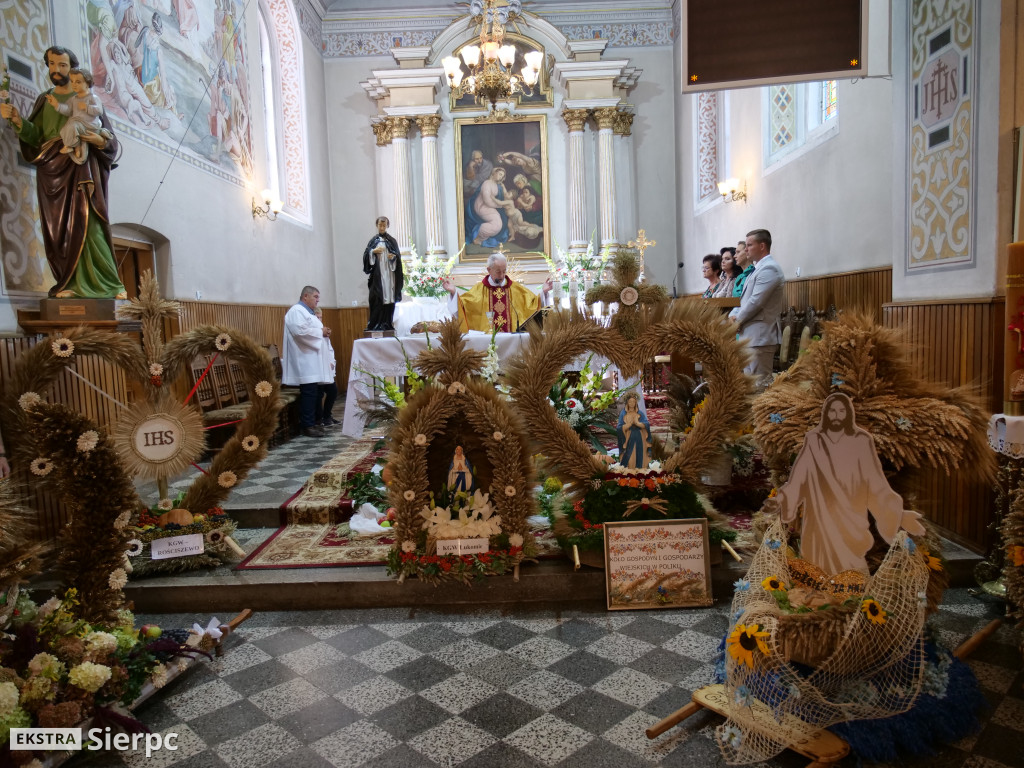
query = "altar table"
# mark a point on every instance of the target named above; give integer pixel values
(384, 357)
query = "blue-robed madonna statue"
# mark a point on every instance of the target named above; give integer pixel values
(634, 435)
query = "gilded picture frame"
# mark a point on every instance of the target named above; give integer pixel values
(506, 210)
(652, 564)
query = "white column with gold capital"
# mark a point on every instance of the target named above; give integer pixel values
(385, 176)
(575, 119)
(428, 125)
(401, 225)
(606, 118)
(625, 174)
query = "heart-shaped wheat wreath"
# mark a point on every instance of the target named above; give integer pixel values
(91, 471)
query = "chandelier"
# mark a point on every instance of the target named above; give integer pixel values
(490, 63)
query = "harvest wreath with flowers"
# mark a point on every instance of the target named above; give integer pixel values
(457, 409)
(91, 470)
(599, 490)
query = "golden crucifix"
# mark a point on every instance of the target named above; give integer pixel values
(641, 244)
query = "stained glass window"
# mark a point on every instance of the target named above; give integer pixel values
(829, 100)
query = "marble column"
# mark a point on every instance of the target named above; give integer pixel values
(401, 224)
(625, 176)
(428, 125)
(606, 117)
(385, 197)
(575, 119)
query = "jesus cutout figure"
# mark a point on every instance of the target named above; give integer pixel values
(838, 480)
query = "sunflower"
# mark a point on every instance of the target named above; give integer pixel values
(933, 563)
(744, 640)
(773, 584)
(1016, 554)
(873, 610)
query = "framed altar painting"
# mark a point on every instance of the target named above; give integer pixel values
(502, 190)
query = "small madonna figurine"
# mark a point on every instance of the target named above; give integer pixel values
(460, 472)
(634, 435)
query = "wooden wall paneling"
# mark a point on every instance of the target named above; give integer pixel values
(958, 343)
(351, 325)
(865, 290)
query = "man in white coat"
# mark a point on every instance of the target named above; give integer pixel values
(301, 361)
(761, 305)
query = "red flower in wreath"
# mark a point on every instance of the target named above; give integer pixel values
(156, 381)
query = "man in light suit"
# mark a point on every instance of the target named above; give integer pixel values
(761, 304)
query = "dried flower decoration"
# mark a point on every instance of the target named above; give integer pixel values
(409, 495)
(155, 369)
(498, 437)
(122, 520)
(510, 490)
(118, 578)
(420, 439)
(408, 545)
(222, 342)
(166, 505)
(135, 548)
(250, 443)
(515, 540)
(63, 347)
(227, 479)
(264, 389)
(41, 467)
(215, 537)
(29, 400)
(88, 440)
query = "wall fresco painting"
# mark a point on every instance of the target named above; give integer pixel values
(176, 72)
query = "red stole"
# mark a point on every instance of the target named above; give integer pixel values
(500, 304)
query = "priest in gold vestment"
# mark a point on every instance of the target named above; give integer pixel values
(497, 301)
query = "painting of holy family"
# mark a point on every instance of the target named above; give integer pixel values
(502, 186)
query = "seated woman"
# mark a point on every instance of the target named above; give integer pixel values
(730, 271)
(634, 435)
(712, 271)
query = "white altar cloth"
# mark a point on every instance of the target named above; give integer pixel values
(415, 309)
(384, 358)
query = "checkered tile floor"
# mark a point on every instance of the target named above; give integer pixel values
(275, 479)
(495, 687)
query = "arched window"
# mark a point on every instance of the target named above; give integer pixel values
(711, 149)
(799, 117)
(287, 156)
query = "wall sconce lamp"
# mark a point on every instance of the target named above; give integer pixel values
(270, 208)
(730, 190)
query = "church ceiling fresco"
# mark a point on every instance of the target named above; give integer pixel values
(174, 74)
